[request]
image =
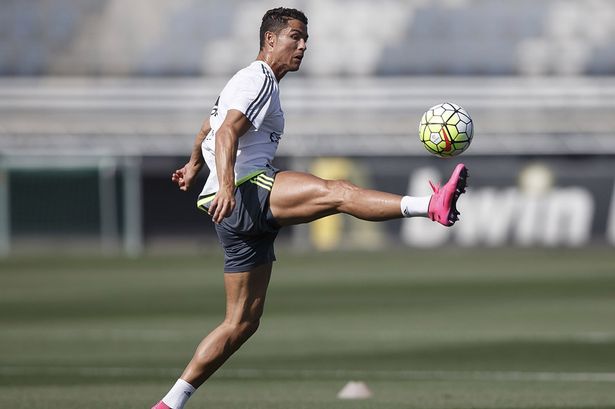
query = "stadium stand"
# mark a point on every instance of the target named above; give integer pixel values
(189, 37)
(333, 116)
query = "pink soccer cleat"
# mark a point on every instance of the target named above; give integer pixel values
(160, 405)
(443, 203)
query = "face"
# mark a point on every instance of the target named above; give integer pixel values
(289, 45)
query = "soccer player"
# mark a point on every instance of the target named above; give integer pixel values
(249, 200)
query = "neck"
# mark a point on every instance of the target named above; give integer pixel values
(278, 71)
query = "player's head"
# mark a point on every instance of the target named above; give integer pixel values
(283, 34)
(275, 20)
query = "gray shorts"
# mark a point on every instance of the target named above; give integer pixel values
(247, 235)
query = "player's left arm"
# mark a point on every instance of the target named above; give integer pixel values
(185, 176)
(235, 125)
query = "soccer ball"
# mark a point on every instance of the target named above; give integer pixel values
(446, 130)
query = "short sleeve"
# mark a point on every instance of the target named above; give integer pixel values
(251, 95)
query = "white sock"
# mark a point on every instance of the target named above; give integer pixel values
(412, 206)
(178, 395)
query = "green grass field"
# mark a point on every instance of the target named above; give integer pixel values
(465, 329)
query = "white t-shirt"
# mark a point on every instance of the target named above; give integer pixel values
(254, 92)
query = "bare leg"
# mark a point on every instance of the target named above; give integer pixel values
(299, 197)
(245, 299)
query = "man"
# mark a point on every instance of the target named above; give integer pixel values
(249, 200)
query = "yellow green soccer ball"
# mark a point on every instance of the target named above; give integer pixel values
(446, 130)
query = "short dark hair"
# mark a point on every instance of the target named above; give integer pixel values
(276, 19)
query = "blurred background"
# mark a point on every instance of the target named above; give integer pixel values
(100, 101)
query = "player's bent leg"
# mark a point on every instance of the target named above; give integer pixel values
(299, 197)
(245, 300)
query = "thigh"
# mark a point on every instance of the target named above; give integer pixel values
(245, 293)
(298, 197)
(248, 234)
(243, 252)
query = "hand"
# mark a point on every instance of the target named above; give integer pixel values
(223, 205)
(185, 176)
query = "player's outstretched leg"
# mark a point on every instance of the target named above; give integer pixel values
(299, 197)
(443, 203)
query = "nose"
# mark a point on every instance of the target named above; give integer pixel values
(302, 44)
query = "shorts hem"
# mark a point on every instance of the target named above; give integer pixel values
(245, 267)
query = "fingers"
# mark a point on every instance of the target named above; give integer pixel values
(179, 177)
(212, 207)
(221, 208)
(219, 212)
(180, 181)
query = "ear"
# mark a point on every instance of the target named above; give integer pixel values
(270, 38)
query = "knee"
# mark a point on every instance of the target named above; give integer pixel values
(249, 328)
(242, 331)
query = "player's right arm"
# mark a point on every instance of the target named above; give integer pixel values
(235, 125)
(185, 176)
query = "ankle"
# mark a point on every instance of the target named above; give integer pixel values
(414, 206)
(179, 394)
